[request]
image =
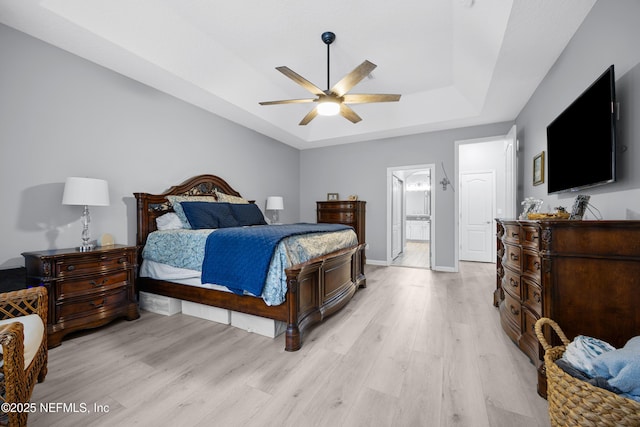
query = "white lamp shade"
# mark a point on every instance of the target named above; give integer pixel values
(275, 203)
(86, 191)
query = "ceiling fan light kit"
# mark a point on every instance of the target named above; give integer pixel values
(328, 107)
(334, 101)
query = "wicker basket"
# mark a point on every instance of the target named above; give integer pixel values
(573, 402)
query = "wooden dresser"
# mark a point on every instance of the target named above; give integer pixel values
(86, 289)
(346, 212)
(585, 275)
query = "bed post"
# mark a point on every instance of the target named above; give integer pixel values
(293, 340)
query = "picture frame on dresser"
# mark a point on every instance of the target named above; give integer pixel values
(332, 197)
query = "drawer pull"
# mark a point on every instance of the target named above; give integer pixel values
(97, 304)
(96, 284)
(122, 260)
(537, 297)
(513, 234)
(71, 267)
(536, 264)
(513, 282)
(514, 310)
(514, 257)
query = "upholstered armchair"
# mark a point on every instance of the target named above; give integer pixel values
(23, 336)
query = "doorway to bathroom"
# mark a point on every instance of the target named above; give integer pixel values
(411, 216)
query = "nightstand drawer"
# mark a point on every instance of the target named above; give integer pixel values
(88, 307)
(89, 285)
(74, 266)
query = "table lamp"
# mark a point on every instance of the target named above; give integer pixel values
(275, 204)
(85, 192)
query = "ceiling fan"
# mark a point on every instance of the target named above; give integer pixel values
(333, 101)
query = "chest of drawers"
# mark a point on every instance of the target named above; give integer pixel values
(585, 275)
(347, 212)
(86, 289)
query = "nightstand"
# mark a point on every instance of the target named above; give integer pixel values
(86, 289)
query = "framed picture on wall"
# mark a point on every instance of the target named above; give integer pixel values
(538, 169)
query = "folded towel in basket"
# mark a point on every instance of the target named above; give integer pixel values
(581, 352)
(621, 368)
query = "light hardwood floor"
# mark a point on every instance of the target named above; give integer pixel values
(414, 348)
(415, 254)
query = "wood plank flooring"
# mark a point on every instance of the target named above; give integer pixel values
(414, 348)
(415, 254)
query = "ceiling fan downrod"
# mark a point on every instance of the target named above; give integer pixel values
(328, 37)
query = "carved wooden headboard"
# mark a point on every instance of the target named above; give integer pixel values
(151, 206)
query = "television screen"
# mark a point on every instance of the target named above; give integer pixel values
(581, 141)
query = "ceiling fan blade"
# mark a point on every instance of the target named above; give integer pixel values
(364, 98)
(310, 116)
(301, 80)
(353, 78)
(349, 114)
(288, 101)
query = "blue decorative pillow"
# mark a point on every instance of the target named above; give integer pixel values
(209, 215)
(177, 206)
(248, 214)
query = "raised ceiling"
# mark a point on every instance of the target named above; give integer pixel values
(456, 63)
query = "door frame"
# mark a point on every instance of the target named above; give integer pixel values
(432, 245)
(511, 180)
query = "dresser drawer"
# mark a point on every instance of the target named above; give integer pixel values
(528, 341)
(89, 306)
(530, 236)
(512, 311)
(340, 205)
(336, 217)
(512, 257)
(71, 288)
(531, 264)
(74, 266)
(532, 295)
(511, 283)
(512, 233)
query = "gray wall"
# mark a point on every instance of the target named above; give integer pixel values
(609, 35)
(361, 168)
(63, 116)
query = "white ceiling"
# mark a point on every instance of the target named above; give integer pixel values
(456, 62)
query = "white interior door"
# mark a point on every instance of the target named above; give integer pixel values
(396, 217)
(477, 204)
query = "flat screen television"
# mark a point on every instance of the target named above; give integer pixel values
(581, 142)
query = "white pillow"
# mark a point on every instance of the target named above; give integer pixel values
(33, 331)
(168, 221)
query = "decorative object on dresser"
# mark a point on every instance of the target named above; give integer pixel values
(352, 213)
(86, 289)
(85, 192)
(275, 204)
(583, 274)
(314, 290)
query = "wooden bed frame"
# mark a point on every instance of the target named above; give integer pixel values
(316, 288)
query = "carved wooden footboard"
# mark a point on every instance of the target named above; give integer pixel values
(316, 288)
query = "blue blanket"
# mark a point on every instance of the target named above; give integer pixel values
(239, 257)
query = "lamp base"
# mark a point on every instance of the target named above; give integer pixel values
(86, 248)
